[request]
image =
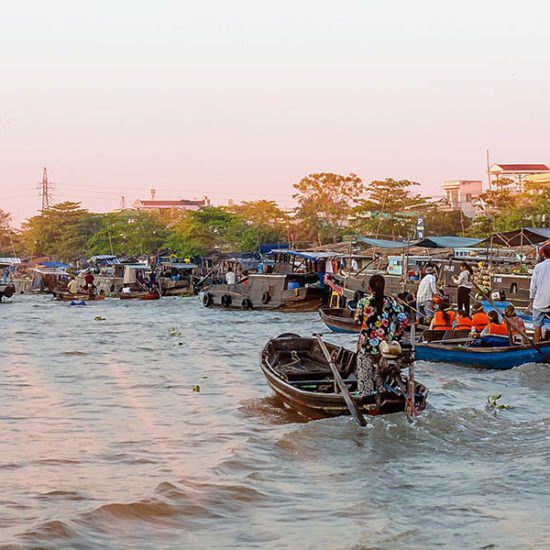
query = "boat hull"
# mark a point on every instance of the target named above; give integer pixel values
(340, 320)
(489, 358)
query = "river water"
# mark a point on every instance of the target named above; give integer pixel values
(105, 444)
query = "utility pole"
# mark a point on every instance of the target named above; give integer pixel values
(45, 188)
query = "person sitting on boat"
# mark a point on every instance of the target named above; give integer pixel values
(479, 318)
(463, 322)
(517, 325)
(88, 280)
(230, 278)
(244, 280)
(495, 326)
(444, 317)
(382, 319)
(72, 287)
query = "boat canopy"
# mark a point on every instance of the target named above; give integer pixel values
(447, 242)
(107, 259)
(520, 237)
(10, 261)
(53, 264)
(309, 255)
(383, 243)
(178, 265)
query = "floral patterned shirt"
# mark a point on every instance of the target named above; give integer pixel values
(388, 326)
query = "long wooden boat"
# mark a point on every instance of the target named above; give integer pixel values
(489, 358)
(66, 296)
(298, 373)
(339, 319)
(153, 295)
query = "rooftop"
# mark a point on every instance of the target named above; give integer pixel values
(515, 168)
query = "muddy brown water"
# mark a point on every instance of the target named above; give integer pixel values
(104, 443)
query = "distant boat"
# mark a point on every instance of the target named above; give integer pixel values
(339, 319)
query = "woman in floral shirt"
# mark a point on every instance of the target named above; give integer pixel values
(382, 319)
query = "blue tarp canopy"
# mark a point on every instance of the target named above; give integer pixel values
(383, 243)
(309, 255)
(447, 242)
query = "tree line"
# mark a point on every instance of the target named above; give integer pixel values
(330, 207)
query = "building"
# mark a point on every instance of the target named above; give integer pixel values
(462, 195)
(515, 172)
(170, 206)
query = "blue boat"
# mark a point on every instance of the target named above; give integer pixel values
(489, 358)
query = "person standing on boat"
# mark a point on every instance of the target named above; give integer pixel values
(382, 319)
(464, 283)
(539, 292)
(230, 276)
(425, 294)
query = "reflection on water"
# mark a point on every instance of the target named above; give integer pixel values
(105, 443)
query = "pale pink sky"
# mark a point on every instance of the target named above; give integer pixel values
(241, 99)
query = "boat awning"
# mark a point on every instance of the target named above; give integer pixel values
(309, 255)
(10, 261)
(50, 271)
(53, 264)
(448, 242)
(105, 259)
(178, 266)
(383, 243)
(520, 237)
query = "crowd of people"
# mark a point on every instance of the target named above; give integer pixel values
(384, 318)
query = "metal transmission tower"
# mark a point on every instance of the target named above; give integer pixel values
(45, 188)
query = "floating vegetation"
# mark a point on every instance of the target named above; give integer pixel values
(492, 401)
(99, 318)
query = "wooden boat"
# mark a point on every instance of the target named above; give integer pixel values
(145, 295)
(297, 371)
(66, 296)
(489, 358)
(339, 319)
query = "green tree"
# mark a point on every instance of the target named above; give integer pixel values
(265, 223)
(6, 232)
(325, 200)
(61, 231)
(439, 222)
(127, 234)
(202, 231)
(390, 209)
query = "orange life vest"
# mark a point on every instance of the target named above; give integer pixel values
(440, 323)
(480, 321)
(498, 329)
(464, 324)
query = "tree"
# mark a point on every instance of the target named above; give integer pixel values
(6, 233)
(265, 221)
(440, 222)
(391, 208)
(127, 234)
(61, 231)
(325, 200)
(202, 231)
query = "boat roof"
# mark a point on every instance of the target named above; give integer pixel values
(308, 255)
(178, 265)
(383, 243)
(518, 237)
(10, 261)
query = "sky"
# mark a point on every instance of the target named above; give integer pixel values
(241, 99)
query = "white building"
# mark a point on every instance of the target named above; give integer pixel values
(462, 195)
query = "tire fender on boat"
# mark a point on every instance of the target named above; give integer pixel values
(266, 298)
(246, 304)
(207, 299)
(226, 300)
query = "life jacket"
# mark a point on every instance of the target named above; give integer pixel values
(440, 323)
(498, 329)
(464, 324)
(480, 321)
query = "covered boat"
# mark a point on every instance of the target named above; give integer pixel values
(297, 371)
(489, 358)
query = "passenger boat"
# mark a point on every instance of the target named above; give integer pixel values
(339, 319)
(293, 283)
(297, 371)
(490, 358)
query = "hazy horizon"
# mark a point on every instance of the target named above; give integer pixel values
(241, 100)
